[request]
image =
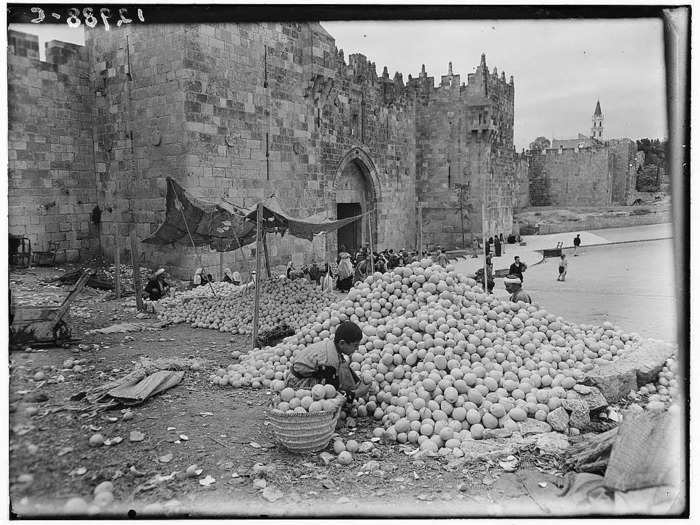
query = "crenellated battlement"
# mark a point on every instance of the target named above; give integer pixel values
(58, 53)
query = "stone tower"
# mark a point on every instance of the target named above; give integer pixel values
(597, 129)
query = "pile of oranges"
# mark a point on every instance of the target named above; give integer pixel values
(447, 362)
(281, 301)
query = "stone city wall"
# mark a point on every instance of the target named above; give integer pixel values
(242, 112)
(51, 181)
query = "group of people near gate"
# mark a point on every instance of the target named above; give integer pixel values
(349, 268)
(156, 287)
(495, 244)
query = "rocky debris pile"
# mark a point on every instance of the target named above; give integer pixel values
(104, 277)
(662, 392)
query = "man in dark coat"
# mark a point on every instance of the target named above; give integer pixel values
(517, 268)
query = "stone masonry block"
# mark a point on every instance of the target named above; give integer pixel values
(650, 358)
(558, 419)
(614, 380)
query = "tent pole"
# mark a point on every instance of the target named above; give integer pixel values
(258, 239)
(267, 257)
(221, 266)
(117, 264)
(136, 271)
(371, 248)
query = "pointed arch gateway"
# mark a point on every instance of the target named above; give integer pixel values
(355, 189)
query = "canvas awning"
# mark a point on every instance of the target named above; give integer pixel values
(275, 219)
(189, 219)
(225, 227)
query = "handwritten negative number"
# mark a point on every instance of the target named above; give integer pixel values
(90, 20)
(124, 20)
(105, 13)
(40, 15)
(73, 20)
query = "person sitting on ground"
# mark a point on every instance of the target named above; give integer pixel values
(236, 278)
(326, 362)
(442, 259)
(517, 268)
(381, 264)
(253, 278)
(290, 269)
(563, 265)
(360, 270)
(514, 286)
(156, 288)
(209, 279)
(228, 276)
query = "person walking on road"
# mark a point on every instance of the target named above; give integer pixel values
(515, 287)
(497, 246)
(475, 248)
(577, 243)
(517, 268)
(563, 265)
(503, 245)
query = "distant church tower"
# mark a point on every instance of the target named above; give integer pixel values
(597, 130)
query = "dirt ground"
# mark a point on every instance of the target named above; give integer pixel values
(225, 435)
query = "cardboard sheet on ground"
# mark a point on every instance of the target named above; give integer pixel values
(149, 378)
(149, 386)
(121, 328)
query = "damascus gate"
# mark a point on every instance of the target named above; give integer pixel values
(242, 112)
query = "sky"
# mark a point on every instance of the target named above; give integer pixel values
(561, 68)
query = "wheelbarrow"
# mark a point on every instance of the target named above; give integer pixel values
(44, 325)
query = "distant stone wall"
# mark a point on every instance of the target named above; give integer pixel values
(599, 223)
(623, 154)
(521, 194)
(51, 181)
(573, 177)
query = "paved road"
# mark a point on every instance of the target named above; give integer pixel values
(631, 285)
(530, 255)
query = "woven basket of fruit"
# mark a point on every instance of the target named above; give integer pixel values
(303, 421)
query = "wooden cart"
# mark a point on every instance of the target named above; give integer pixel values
(44, 325)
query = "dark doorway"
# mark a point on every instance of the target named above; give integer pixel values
(350, 235)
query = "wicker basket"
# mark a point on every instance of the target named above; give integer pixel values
(303, 433)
